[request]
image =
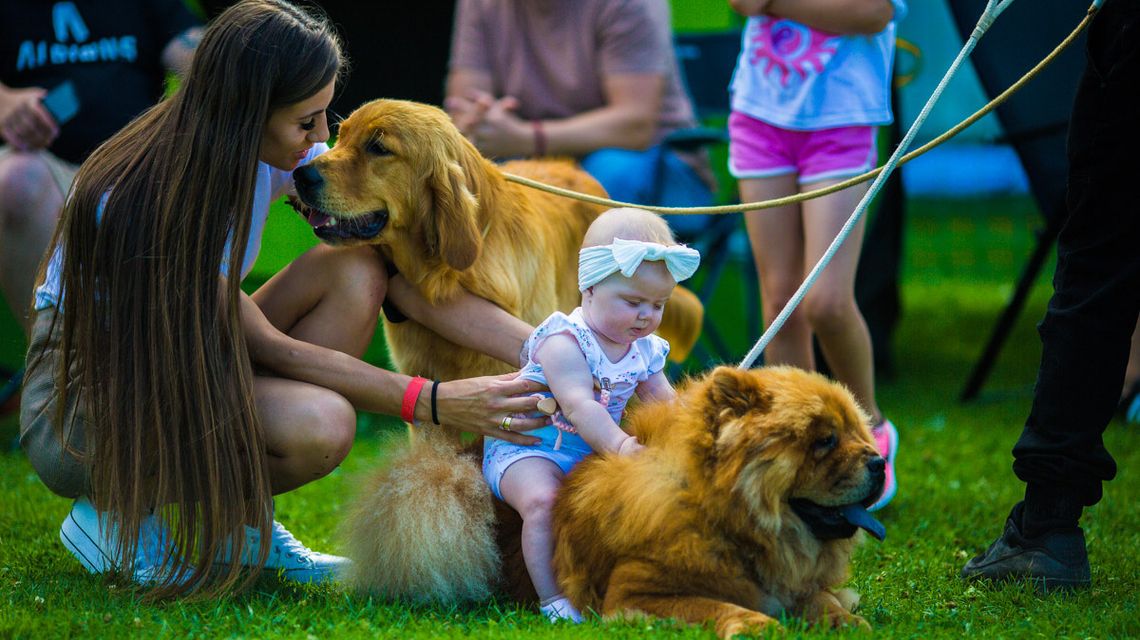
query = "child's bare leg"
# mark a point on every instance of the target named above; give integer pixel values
(530, 486)
(777, 238)
(830, 305)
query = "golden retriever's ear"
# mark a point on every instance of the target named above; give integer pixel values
(451, 223)
(734, 392)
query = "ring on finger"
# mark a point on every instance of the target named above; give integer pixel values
(505, 425)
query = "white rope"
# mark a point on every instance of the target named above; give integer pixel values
(992, 10)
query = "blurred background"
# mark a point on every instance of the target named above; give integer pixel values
(978, 206)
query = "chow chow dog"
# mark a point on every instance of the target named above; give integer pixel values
(744, 505)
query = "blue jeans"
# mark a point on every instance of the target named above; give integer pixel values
(655, 176)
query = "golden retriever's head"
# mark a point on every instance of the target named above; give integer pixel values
(785, 441)
(400, 172)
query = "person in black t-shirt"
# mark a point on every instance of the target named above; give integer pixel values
(116, 55)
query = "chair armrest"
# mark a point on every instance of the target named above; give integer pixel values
(693, 138)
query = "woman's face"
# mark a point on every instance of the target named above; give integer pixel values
(293, 129)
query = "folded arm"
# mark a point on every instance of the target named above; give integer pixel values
(837, 16)
(628, 119)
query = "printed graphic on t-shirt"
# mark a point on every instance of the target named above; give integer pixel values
(71, 45)
(790, 53)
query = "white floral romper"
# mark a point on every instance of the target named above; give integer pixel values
(614, 383)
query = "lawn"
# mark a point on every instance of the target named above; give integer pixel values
(954, 473)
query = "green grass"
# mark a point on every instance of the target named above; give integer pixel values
(956, 487)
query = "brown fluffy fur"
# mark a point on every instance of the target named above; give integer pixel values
(425, 528)
(698, 526)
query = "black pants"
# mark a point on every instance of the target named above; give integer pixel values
(1090, 318)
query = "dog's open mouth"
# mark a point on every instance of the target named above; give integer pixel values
(335, 229)
(832, 523)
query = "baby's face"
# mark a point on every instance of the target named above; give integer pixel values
(624, 309)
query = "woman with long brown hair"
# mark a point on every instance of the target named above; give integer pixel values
(172, 405)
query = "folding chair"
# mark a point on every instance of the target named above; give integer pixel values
(706, 63)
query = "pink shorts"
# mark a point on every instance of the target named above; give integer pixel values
(756, 149)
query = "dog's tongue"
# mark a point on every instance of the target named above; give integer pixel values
(858, 515)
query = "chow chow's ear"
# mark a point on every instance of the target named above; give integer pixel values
(774, 477)
(732, 392)
(451, 226)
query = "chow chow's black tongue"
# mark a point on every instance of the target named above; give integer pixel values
(858, 515)
(833, 523)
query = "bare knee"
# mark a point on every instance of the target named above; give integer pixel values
(326, 439)
(362, 278)
(829, 311)
(28, 194)
(775, 294)
(538, 505)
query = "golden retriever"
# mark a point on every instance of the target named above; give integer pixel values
(401, 177)
(743, 506)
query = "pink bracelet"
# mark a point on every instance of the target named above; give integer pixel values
(411, 395)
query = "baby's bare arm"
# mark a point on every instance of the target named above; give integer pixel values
(572, 384)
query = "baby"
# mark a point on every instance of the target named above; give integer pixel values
(593, 360)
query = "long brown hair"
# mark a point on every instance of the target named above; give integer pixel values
(152, 335)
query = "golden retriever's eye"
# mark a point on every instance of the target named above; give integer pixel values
(377, 148)
(826, 444)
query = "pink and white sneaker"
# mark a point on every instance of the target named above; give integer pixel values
(887, 439)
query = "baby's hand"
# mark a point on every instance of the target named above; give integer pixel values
(630, 446)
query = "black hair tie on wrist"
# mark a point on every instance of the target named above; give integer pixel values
(434, 415)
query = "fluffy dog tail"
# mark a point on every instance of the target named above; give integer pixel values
(681, 323)
(423, 529)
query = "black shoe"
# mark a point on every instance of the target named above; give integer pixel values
(1054, 561)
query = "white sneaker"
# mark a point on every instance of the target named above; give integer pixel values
(291, 559)
(92, 539)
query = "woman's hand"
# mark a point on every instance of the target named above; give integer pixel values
(481, 405)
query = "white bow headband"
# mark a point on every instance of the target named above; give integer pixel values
(597, 263)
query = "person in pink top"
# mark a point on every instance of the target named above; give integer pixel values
(593, 79)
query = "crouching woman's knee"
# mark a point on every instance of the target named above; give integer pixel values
(334, 430)
(323, 429)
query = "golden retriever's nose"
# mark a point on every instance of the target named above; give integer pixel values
(307, 180)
